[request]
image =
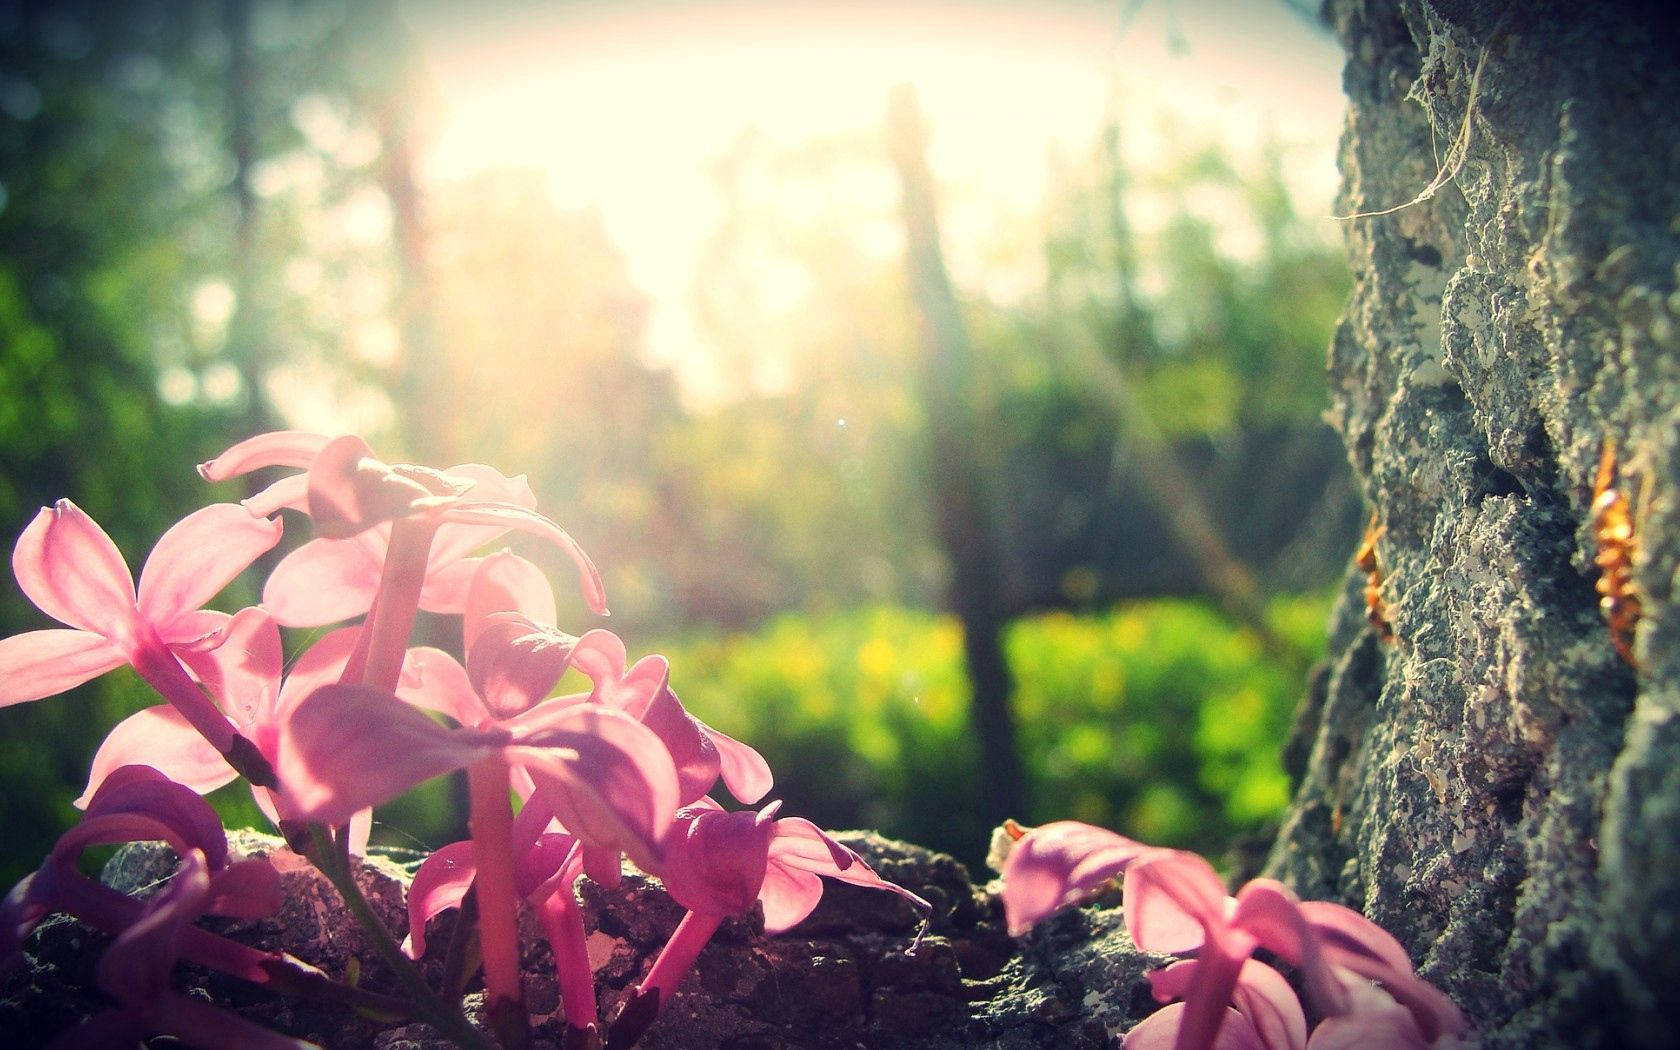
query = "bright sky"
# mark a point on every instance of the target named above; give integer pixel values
(626, 103)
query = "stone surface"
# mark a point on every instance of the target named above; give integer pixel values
(1497, 786)
(841, 979)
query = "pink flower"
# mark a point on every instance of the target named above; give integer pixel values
(72, 571)
(137, 803)
(719, 864)
(547, 863)
(1265, 1015)
(701, 753)
(346, 747)
(353, 497)
(1059, 864)
(1175, 903)
(135, 970)
(514, 662)
(243, 673)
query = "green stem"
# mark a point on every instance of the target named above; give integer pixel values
(443, 1016)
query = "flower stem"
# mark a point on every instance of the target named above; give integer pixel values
(444, 1016)
(154, 662)
(1209, 994)
(562, 921)
(650, 997)
(491, 823)
(378, 657)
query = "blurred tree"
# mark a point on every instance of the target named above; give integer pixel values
(803, 470)
(539, 333)
(103, 181)
(961, 495)
(190, 232)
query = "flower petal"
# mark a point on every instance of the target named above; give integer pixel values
(246, 889)
(800, 845)
(195, 632)
(277, 448)
(137, 803)
(243, 672)
(600, 654)
(1270, 912)
(346, 747)
(515, 663)
(1172, 898)
(198, 556)
(1271, 1006)
(289, 493)
(489, 485)
(505, 582)
(440, 883)
(319, 665)
(1348, 935)
(1058, 864)
(1374, 1022)
(514, 517)
(432, 679)
(696, 759)
(745, 772)
(445, 587)
(324, 581)
(1261, 995)
(72, 571)
(160, 737)
(788, 896)
(549, 865)
(1171, 981)
(1159, 1031)
(350, 490)
(715, 861)
(45, 663)
(609, 780)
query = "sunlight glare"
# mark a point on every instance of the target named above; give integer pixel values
(627, 107)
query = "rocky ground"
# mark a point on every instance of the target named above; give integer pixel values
(842, 979)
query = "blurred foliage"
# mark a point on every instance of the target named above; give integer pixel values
(94, 192)
(164, 290)
(126, 355)
(1160, 720)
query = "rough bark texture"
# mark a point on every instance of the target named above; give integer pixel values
(1497, 786)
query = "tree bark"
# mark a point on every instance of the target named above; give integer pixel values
(1497, 786)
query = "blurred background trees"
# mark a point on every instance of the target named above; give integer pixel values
(214, 218)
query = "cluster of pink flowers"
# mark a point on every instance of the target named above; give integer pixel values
(360, 716)
(1357, 978)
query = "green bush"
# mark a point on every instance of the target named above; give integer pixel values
(1160, 719)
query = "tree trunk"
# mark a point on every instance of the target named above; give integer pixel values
(1497, 786)
(963, 509)
(247, 328)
